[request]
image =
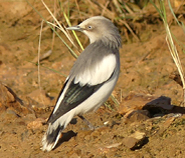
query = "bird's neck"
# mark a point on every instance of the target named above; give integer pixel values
(111, 41)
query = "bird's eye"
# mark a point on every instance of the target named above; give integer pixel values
(89, 27)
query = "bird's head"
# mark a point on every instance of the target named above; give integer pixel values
(99, 28)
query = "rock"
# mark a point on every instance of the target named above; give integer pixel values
(154, 105)
(106, 149)
(8, 99)
(40, 97)
(161, 105)
(134, 102)
(163, 102)
(134, 141)
(136, 116)
(130, 142)
(36, 124)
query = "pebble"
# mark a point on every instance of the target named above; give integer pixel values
(135, 140)
(36, 124)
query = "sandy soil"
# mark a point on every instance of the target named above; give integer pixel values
(144, 125)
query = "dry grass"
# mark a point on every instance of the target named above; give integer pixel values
(170, 40)
(129, 17)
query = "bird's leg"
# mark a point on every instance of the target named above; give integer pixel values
(87, 122)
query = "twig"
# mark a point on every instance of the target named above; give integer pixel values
(38, 66)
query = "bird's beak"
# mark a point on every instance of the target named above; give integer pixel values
(76, 28)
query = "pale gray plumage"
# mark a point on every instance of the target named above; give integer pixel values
(91, 80)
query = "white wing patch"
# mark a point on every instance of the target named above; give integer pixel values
(98, 73)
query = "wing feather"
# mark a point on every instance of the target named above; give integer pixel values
(75, 94)
(98, 73)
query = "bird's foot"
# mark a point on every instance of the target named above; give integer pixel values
(87, 122)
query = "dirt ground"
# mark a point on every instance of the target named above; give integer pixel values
(143, 125)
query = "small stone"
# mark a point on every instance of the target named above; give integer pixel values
(39, 96)
(134, 102)
(130, 142)
(36, 124)
(135, 140)
(115, 145)
(8, 99)
(136, 116)
(138, 135)
(161, 105)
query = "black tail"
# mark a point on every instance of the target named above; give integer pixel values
(51, 137)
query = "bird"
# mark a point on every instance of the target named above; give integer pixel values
(91, 79)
